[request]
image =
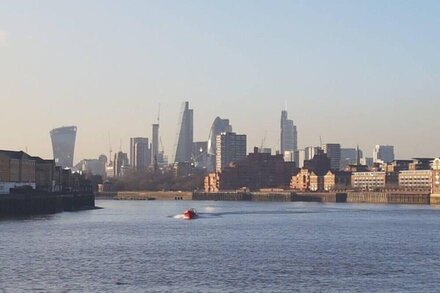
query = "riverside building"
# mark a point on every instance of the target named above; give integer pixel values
(415, 179)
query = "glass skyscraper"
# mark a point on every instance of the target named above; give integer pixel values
(63, 145)
(186, 137)
(289, 135)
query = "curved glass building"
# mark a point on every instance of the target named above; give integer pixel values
(63, 145)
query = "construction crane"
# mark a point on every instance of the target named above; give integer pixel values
(263, 141)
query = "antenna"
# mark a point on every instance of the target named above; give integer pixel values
(110, 147)
(320, 141)
(158, 115)
(285, 105)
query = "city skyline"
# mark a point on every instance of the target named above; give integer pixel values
(356, 76)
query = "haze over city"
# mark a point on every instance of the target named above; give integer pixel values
(351, 72)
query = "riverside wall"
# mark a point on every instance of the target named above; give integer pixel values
(386, 197)
(389, 197)
(153, 195)
(270, 196)
(435, 199)
(44, 203)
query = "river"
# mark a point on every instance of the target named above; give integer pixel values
(143, 246)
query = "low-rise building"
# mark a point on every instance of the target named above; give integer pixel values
(415, 179)
(316, 182)
(337, 180)
(436, 176)
(16, 169)
(212, 182)
(44, 174)
(374, 180)
(301, 181)
(256, 171)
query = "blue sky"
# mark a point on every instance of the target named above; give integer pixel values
(354, 72)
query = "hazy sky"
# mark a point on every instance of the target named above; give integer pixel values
(354, 72)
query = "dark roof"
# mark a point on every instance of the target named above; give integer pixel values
(14, 154)
(424, 159)
(41, 160)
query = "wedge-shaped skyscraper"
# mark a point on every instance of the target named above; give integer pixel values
(63, 145)
(186, 136)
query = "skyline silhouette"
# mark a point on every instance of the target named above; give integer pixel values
(352, 73)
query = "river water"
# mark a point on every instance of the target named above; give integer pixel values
(142, 246)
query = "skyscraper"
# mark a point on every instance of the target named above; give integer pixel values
(63, 145)
(186, 136)
(120, 164)
(350, 156)
(333, 151)
(231, 147)
(155, 144)
(218, 126)
(139, 153)
(289, 135)
(384, 153)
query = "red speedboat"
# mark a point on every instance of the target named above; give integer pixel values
(190, 214)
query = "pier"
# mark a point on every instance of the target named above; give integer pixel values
(44, 203)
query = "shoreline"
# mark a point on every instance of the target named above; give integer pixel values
(382, 197)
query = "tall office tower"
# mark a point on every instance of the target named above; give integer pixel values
(289, 135)
(139, 153)
(333, 151)
(384, 153)
(350, 156)
(230, 147)
(155, 144)
(186, 136)
(218, 126)
(310, 152)
(120, 164)
(63, 145)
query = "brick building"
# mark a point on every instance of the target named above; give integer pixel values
(16, 169)
(256, 171)
(337, 180)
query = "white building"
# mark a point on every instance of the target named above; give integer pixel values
(415, 179)
(368, 180)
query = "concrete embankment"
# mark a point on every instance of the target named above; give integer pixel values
(153, 195)
(271, 196)
(389, 197)
(30, 204)
(386, 197)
